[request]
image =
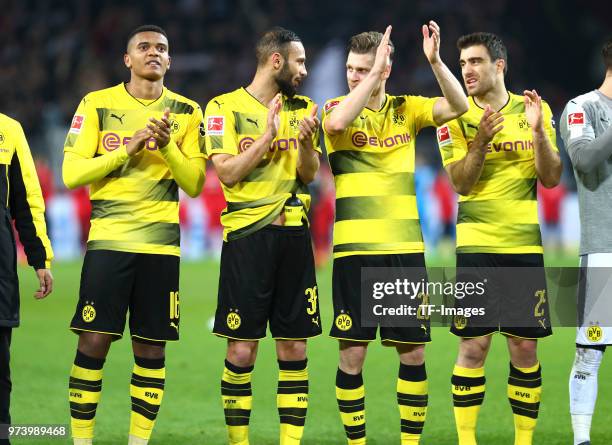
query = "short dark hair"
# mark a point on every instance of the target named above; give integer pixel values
(606, 52)
(275, 40)
(367, 43)
(145, 28)
(494, 45)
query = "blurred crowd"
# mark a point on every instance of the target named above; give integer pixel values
(52, 52)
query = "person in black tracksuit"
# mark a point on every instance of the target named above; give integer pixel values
(20, 200)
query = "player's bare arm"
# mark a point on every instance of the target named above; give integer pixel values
(547, 160)
(350, 107)
(232, 169)
(465, 173)
(308, 157)
(454, 103)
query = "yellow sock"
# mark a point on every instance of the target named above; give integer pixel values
(468, 387)
(147, 391)
(292, 400)
(524, 392)
(412, 401)
(350, 394)
(237, 402)
(85, 389)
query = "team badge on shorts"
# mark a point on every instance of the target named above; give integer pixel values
(344, 322)
(594, 333)
(89, 313)
(233, 320)
(460, 322)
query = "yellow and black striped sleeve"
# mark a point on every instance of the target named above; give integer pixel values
(81, 166)
(452, 142)
(193, 145)
(26, 203)
(422, 111)
(84, 129)
(220, 122)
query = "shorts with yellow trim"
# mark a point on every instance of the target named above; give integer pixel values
(113, 283)
(515, 302)
(346, 288)
(268, 277)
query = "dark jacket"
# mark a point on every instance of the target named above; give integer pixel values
(20, 200)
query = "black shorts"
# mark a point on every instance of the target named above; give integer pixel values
(346, 288)
(268, 276)
(515, 303)
(114, 282)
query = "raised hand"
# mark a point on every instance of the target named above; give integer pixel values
(431, 42)
(273, 122)
(160, 130)
(138, 141)
(489, 126)
(533, 109)
(308, 127)
(45, 280)
(383, 54)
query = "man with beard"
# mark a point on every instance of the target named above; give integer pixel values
(494, 155)
(135, 144)
(263, 142)
(370, 137)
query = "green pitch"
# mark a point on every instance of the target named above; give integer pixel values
(43, 350)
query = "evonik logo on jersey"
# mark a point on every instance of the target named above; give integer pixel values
(361, 139)
(112, 141)
(277, 145)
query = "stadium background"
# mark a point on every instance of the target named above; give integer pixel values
(54, 52)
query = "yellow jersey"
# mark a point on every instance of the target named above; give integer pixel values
(373, 166)
(500, 215)
(233, 122)
(135, 207)
(21, 198)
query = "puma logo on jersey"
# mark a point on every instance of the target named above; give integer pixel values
(218, 103)
(253, 121)
(119, 118)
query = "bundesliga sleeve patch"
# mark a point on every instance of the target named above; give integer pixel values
(330, 105)
(77, 123)
(215, 125)
(575, 119)
(444, 137)
(575, 124)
